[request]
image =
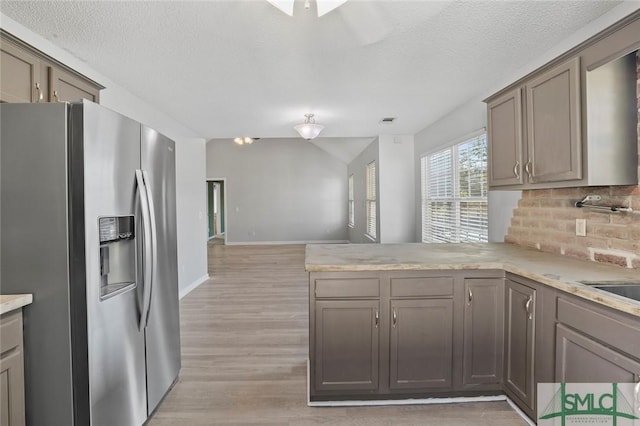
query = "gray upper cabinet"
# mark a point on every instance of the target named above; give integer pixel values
(519, 350)
(421, 345)
(28, 75)
(504, 129)
(553, 125)
(346, 345)
(483, 331)
(19, 75)
(572, 122)
(66, 87)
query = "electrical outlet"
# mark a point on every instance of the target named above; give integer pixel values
(581, 227)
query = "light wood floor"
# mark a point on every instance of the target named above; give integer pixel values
(244, 353)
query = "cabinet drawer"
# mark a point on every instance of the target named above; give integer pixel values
(608, 329)
(11, 330)
(421, 286)
(348, 287)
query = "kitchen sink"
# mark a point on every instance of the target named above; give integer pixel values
(630, 290)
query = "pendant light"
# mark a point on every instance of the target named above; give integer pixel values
(309, 129)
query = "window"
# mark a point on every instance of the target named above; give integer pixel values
(351, 203)
(454, 193)
(371, 200)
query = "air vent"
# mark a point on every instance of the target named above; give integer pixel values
(387, 119)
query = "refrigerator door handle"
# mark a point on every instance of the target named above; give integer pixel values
(147, 252)
(154, 238)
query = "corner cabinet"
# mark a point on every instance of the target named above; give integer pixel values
(28, 75)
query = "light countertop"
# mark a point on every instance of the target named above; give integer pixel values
(561, 272)
(11, 302)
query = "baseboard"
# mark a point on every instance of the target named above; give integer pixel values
(520, 412)
(276, 243)
(424, 401)
(188, 289)
(410, 401)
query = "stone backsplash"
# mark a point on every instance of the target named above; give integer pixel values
(545, 219)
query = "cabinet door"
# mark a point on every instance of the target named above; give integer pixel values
(504, 130)
(582, 360)
(19, 72)
(483, 331)
(520, 303)
(66, 87)
(11, 370)
(553, 125)
(346, 344)
(421, 346)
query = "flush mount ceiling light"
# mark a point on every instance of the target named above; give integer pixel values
(323, 6)
(309, 129)
(245, 140)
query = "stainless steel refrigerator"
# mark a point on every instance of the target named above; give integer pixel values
(88, 225)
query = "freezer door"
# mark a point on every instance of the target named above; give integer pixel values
(163, 328)
(111, 152)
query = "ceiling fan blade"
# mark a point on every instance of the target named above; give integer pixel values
(326, 6)
(367, 21)
(285, 6)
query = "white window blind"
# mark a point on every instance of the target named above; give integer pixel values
(352, 215)
(371, 200)
(454, 193)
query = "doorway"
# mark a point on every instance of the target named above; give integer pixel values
(216, 201)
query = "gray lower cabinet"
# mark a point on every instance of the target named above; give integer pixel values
(519, 348)
(421, 344)
(595, 343)
(580, 359)
(346, 345)
(28, 75)
(11, 370)
(483, 331)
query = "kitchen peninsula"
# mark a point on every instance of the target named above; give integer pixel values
(401, 321)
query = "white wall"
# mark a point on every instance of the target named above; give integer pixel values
(396, 188)
(119, 99)
(191, 201)
(280, 190)
(445, 132)
(358, 168)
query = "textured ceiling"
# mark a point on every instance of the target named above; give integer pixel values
(230, 68)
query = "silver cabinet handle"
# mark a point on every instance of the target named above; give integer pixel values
(470, 296)
(516, 169)
(527, 307)
(395, 317)
(527, 168)
(56, 98)
(377, 318)
(39, 94)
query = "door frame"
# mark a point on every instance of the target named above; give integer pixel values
(225, 222)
